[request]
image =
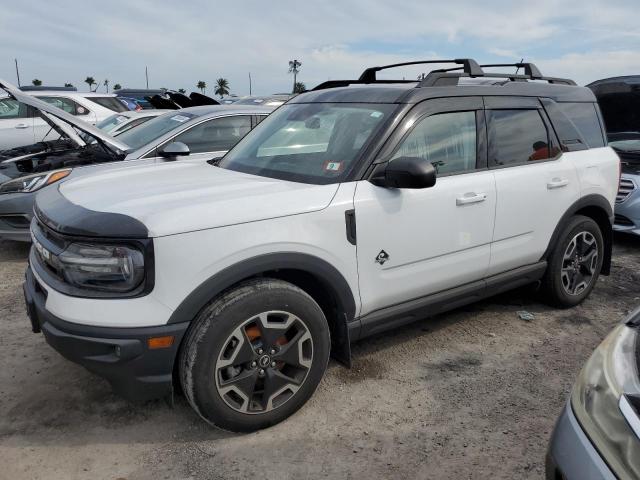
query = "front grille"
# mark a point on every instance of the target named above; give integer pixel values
(626, 188)
(622, 221)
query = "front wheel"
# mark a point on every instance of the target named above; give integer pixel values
(255, 355)
(575, 263)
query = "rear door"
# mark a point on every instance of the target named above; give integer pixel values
(16, 124)
(535, 183)
(415, 242)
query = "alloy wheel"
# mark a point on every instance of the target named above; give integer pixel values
(264, 362)
(579, 263)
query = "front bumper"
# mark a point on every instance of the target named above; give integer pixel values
(16, 212)
(571, 454)
(120, 355)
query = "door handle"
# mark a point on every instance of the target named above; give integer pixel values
(21, 126)
(471, 197)
(557, 183)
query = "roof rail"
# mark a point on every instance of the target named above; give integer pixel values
(469, 66)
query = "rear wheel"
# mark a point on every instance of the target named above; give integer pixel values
(575, 263)
(255, 355)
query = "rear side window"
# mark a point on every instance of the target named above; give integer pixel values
(517, 137)
(447, 140)
(112, 103)
(585, 118)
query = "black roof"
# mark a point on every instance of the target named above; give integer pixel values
(467, 78)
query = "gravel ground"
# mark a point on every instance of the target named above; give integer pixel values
(469, 394)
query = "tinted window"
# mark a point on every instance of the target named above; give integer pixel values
(154, 129)
(215, 135)
(518, 136)
(585, 119)
(112, 103)
(10, 108)
(312, 143)
(447, 140)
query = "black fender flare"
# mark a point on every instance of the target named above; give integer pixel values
(331, 280)
(595, 203)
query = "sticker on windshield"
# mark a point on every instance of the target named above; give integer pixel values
(180, 118)
(332, 166)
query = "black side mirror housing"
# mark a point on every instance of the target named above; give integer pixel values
(405, 172)
(174, 150)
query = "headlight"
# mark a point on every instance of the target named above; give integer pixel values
(108, 268)
(604, 401)
(31, 183)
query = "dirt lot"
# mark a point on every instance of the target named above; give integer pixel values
(470, 394)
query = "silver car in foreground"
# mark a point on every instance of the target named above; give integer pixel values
(197, 133)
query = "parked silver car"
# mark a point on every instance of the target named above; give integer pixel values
(197, 133)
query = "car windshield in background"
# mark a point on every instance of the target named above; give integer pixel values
(112, 103)
(110, 123)
(311, 143)
(155, 128)
(630, 145)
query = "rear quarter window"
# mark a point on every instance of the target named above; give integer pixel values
(585, 118)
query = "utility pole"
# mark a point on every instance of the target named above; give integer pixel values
(249, 83)
(146, 74)
(17, 72)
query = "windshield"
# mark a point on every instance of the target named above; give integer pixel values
(110, 123)
(626, 145)
(154, 129)
(310, 143)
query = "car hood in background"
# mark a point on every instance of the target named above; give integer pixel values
(61, 121)
(180, 197)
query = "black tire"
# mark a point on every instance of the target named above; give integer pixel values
(558, 284)
(225, 333)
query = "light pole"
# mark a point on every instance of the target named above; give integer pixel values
(294, 67)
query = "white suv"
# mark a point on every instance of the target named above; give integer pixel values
(20, 124)
(352, 209)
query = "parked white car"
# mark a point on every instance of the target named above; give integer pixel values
(20, 124)
(351, 210)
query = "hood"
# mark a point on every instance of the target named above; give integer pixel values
(184, 196)
(61, 121)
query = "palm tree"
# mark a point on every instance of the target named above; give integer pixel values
(68, 84)
(90, 81)
(294, 67)
(202, 86)
(106, 84)
(36, 82)
(222, 87)
(300, 87)
(117, 86)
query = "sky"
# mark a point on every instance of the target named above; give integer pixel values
(184, 42)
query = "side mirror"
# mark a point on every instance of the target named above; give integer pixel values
(405, 172)
(174, 150)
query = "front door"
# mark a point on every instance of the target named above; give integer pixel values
(415, 242)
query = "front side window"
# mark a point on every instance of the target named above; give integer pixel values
(155, 128)
(10, 108)
(215, 135)
(447, 140)
(517, 137)
(311, 143)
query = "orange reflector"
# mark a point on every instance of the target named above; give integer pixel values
(58, 176)
(160, 342)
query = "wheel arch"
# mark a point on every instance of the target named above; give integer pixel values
(318, 278)
(599, 210)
